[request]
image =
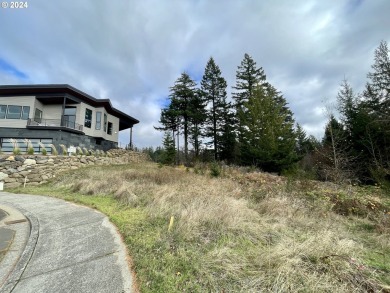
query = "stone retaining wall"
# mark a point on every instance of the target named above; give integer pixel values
(18, 170)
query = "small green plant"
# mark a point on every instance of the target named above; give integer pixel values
(92, 152)
(30, 148)
(63, 150)
(85, 151)
(215, 169)
(79, 151)
(43, 148)
(53, 150)
(16, 148)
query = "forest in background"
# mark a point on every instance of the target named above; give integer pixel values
(257, 128)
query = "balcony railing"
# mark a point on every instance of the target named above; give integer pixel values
(54, 123)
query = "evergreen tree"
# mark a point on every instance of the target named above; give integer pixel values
(168, 156)
(248, 77)
(304, 144)
(213, 89)
(378, 88)
(226, 137)
(268, 134)
(197, 120)
(182, 95)
(374, 111)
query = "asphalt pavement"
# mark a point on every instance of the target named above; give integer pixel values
(55, 246)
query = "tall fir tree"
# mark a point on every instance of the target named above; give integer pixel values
(268, 131)
(375, 109)
(226, 137)
(168, 156)
(213, 89)
(378, 87)
(182, 95)
(197, 119)
(248, 77)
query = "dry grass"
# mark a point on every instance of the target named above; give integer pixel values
(245, 232)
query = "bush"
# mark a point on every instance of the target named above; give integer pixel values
(215, 169)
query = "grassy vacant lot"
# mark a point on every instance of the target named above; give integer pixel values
(241, 232)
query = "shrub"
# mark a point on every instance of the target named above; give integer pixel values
(53, 150)
(63, 150)
(43, 148)
(30, 148)
(15, 144)
(215, 169)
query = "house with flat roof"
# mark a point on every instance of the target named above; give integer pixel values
(59, 114)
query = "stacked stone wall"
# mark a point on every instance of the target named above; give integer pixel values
(18, 170)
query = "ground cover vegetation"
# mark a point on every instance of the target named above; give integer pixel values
(257, 128)
(218, 228)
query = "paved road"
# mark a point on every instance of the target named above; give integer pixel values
(68, 248)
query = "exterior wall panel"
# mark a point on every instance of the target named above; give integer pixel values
(17, 101)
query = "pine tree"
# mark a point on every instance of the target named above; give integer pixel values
(197, 119)
(268, 134)
(168, 156)
(213, 89)
(378, 88)
(375, 110)
(248, 77)
(182, 94)
(303, 142)
(226, 137)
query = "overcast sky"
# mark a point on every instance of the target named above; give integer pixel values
(132, 51)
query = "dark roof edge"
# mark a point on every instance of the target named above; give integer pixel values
(72, 90)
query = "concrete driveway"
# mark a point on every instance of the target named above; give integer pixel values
(62, 247)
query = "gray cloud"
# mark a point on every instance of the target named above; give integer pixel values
(133, 51)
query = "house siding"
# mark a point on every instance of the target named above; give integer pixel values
(93, 131)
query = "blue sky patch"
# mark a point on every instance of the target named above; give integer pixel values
(10, 69)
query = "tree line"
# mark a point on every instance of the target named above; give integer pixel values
(257, 127)
(356, 146)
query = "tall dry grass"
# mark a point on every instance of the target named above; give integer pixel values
(251, 232)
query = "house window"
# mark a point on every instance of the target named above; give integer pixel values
(70, 117)
(25, 112)
(109, 130)
(7, 146)
(98, 125)
(14, 112)
(105, 122)
(38, 115)
(3, 110)
(88, 118)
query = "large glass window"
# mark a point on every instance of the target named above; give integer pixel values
(3, 110)
(70, 117)
(38, 115)
(88, 118)
(105, 122)
(109, 129)
(98, 125)
(7, 146)
(14, 112)
(25, 112)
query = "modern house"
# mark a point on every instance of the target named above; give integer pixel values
(59, 114)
